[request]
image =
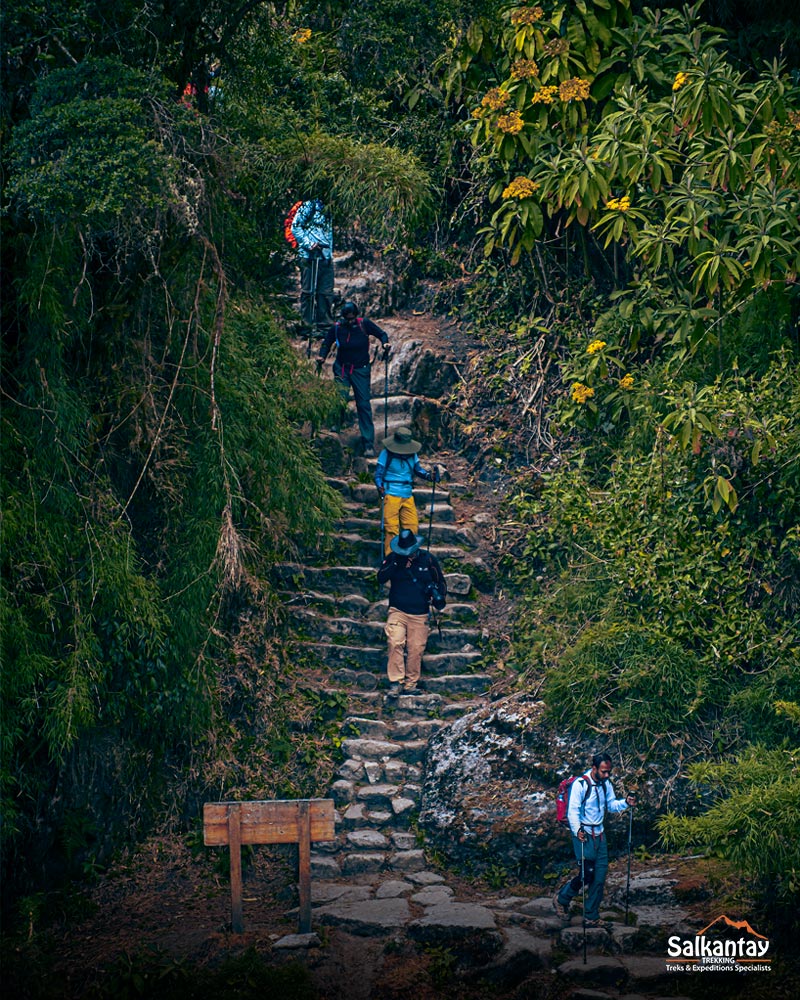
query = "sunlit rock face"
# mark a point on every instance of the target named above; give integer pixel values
(488, 799)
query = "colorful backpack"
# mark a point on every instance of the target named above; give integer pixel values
(562, 798)
(287, 225)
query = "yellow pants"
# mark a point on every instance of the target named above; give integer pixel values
(398, 513)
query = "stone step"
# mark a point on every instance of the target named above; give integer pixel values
(458, 684)
(359, 608)
(352, 548)
(396, 404)
(361, 580)
(372, 659)
(367, 492)
(322, 628)
(393, 730)
(441, 534)
(443, 513)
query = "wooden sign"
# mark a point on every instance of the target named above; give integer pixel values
(282, 821)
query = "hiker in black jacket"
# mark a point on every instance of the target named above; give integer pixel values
(415, 582)
(351, 367)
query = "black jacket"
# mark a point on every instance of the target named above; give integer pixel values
(352, 340)
(410, 587)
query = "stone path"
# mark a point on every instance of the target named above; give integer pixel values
(374, 880)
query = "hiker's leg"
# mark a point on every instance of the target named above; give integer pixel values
(395, 629)
(307, 291)
(408, 515)
(342, 382)
(570, 889)
(360, 382)
(325, 294)
(417, 632)
(391, 520)
(594, 889)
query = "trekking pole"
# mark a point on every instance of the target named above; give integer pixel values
(583, 901)
(382, 546)
(628, 885)
(430, 519)
(386, 395)
(314, 284)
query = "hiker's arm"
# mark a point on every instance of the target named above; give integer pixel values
(380, 471)
(387, 568)
(327, 344)
(615, 805)
(375, 331)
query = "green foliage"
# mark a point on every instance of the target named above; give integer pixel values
(153, 462)
(639, 129)
(754, 821)
(670, 607)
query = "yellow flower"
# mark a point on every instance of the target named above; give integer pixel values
(524, 69)
(794, 119)
(574, 89)
(546, 95)
(476, 112)
(618, 204)
(626, 382)
(679, 81)
(581, 392)
(511, 123)
(495, 99)
(595, 346)
(527, 15)
(302, 35)
(520, 187)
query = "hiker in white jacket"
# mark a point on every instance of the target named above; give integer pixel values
(592, 796)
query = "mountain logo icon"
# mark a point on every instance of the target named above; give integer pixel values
(736, 925)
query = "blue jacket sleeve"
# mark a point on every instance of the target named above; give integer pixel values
(380, 469)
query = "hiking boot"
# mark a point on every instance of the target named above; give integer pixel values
(394, 691)
(369, 452)
(412, 690)
(562, 909)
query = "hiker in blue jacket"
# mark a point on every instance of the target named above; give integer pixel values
(312, 229)
(394, 476)
(591, 797)
(351, 368)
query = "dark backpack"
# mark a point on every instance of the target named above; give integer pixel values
(562, 798)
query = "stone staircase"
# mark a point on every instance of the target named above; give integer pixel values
(374, 880)
(337, 613)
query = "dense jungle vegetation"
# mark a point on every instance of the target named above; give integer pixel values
(608, 191)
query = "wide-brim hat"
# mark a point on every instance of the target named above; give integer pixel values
(406, 543)
(401, 442)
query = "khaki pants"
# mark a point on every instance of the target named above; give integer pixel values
(406, 634)
(398, 512)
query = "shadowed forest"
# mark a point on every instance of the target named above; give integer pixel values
(604, 193)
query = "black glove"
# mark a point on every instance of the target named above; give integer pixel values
(387, 350)
(319, 365)
(437, 474)
(381, 492)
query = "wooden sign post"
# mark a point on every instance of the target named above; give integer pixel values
(282, 821)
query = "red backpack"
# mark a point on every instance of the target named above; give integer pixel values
(562, 798)
(287, 224)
